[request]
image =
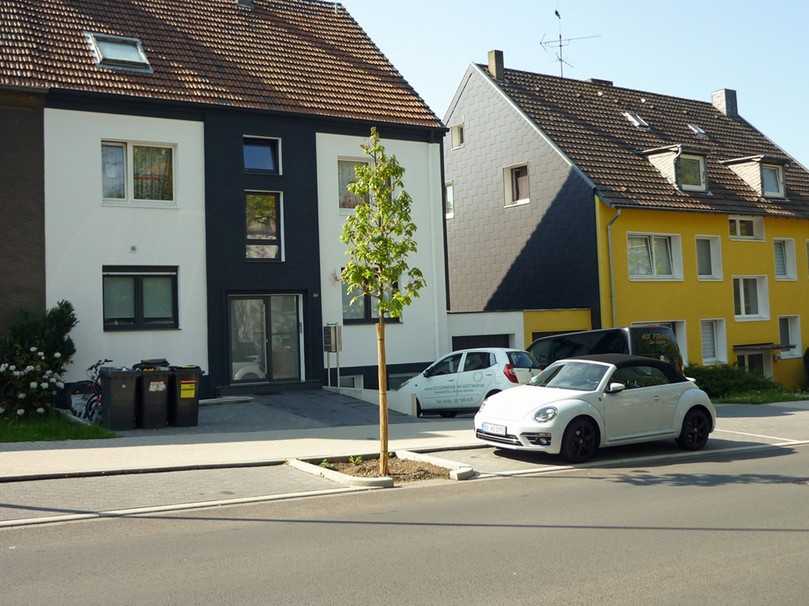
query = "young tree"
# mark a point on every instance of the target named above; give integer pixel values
(379, 238)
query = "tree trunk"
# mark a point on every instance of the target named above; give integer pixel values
(383, 396)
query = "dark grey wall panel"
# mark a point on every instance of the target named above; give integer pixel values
(22, 228)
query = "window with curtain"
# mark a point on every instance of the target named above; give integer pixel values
(153, 173)
(790, 333)
(784, 253)
(113, 162)
(704, 264)
(262, 225)
(346, 173)
(772, 180)
(450, 212)
(651, 256)
(746, 296)
(709, 346)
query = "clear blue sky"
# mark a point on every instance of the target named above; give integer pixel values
(686, 48)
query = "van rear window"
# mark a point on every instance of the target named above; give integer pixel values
(548, 350)
(520, 359)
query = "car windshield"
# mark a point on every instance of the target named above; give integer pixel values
(580, 376)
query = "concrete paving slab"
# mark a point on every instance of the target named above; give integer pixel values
(46, 498)
(787, 421)
(503, 461)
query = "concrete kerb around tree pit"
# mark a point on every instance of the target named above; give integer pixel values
(340, 478)
(457, 471)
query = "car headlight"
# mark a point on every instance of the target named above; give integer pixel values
(543, 415)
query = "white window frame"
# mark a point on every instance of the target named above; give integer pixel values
(780, 171)
(794, 325)
(507, 186)
(282, 257)
(142, 66)
(449, 214)
(676, 258)
(280, 147)
(129, 199)
(703, 185)
(346, 211)
(762, 285)
(790, 260)
(716, 257)
(766, 356)
(457, 128)
(720, 342)
(758, 228)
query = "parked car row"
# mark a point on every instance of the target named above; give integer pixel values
(571, 394)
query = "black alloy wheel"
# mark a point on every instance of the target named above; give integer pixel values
(580, 441)
(695, 431)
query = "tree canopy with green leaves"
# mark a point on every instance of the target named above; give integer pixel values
(380, 239)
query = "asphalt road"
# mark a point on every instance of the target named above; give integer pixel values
(731, 528)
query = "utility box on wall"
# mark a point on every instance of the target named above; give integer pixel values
(332, 338)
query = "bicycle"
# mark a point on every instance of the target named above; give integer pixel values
(91, 408)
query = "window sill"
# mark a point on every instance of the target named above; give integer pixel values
(452, 216)
(346, 212)
(370, 322)
(786, 278)
(140, 328)
(167, 205)
(746, 239)
(751, 318)
(694, 189)
(790, 356)
(262, 173)
(655, 278)
(457, 147)
(518, 203)
(713, 362)
(263, 260)
(774, 195)
(710, 278)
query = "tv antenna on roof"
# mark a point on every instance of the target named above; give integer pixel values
(560, 43)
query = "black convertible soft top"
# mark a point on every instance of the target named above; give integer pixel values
(626, 360)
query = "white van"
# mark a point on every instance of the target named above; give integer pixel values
(460, 381)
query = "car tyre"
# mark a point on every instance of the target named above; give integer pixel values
(695, 430)
(580, 440)
(419, 411)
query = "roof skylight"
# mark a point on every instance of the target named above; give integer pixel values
(636, 120)
(697, 130)
(119, 52)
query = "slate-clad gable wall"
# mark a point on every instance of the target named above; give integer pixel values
(22, 230)
(515, 258)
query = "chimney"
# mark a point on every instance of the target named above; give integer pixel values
(496, 68)
(725, 101)
(247, 4)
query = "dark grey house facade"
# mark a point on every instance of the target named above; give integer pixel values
(521, 216)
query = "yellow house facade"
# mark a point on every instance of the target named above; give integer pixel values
(703, 309)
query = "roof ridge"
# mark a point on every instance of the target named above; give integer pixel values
(602, 86)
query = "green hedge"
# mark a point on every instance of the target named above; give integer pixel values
(721, 380)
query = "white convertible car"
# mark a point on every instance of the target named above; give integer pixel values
(580, 404)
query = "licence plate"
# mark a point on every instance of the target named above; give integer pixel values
(498, 430)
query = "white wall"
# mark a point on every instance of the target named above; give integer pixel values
(82, 235)
(422, 335)
(489, 323)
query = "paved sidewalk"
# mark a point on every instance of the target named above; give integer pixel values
(48, 498)
(52, 459)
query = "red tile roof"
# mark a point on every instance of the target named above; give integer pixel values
(300, 56)
(585, 120)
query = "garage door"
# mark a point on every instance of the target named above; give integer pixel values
(477, 341)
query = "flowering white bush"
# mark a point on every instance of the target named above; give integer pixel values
(29, 382)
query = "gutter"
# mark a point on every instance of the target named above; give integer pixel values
(612, 264)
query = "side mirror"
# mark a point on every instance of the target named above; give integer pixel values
(615, 388)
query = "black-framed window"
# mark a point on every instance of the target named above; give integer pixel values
(263, 225)
(140, 298)
(362, 309)
(262, 155)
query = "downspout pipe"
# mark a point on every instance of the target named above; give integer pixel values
(612, 265)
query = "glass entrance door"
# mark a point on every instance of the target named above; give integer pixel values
(264, 339)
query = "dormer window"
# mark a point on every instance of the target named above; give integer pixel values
(118, 52)
(691, 172)
(772, 181)
(636, 120)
